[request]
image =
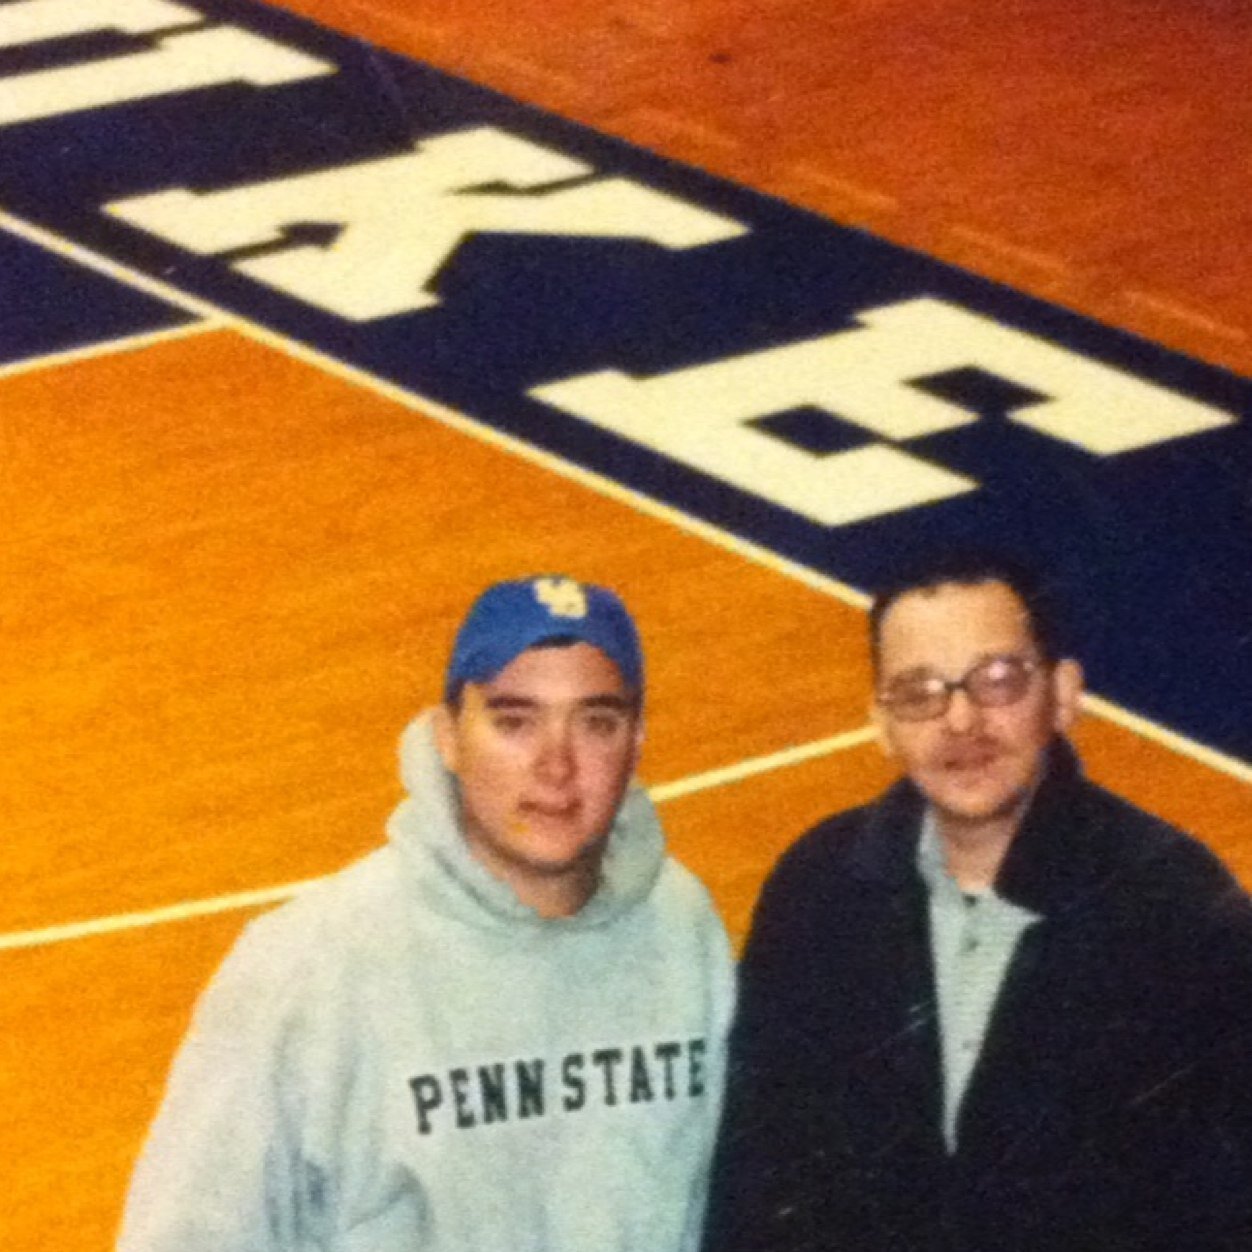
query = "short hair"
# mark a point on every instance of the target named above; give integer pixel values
(975, 568)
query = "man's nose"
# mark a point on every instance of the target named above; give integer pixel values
(556, 754)
(962, 713)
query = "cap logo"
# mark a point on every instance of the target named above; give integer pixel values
(562, 597)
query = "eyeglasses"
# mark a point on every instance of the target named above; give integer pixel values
(991, 684)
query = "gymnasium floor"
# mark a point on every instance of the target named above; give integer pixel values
(235, 550)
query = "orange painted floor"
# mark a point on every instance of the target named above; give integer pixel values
(231, 576)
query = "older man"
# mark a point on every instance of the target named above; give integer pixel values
(998, 1009)
(502, 1031)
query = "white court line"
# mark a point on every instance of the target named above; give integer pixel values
(110, 269)
(106, 347)
(190, 909)
(119, 922)
(761, 765)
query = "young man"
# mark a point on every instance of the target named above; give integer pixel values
(998, 1009)
(502, 1031)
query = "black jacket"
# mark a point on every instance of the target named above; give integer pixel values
(1111, 1106)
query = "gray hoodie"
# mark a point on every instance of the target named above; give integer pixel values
(406, 1057)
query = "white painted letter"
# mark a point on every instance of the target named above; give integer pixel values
(32, 21)
(700, 416)
(200, 58)
(1100, 409)
(400, 218)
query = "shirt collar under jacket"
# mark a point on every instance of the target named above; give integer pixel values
(425, 833)
(972, 942)
(1057, 859)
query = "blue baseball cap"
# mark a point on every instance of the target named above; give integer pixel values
(510, 617)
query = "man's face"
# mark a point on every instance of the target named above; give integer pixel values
(976, 765)
(542, 755)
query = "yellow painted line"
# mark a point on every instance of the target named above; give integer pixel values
(1012, 251)
(190, 909)
(870, 197)
(1181, 313)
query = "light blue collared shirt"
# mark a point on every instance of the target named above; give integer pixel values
(972, 941)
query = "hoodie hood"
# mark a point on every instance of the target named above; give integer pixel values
(425, 833)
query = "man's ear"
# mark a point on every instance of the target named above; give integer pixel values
(443, 722)
(1067, 689)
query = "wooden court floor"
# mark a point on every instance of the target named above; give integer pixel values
(230, 577)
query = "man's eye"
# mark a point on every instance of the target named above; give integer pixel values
(510, 723)
(914, 693)
(997, 679)
(603, 725)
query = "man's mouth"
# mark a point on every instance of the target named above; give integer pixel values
(969, 760)
(549, 811)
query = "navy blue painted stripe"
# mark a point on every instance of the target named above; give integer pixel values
(1154, 546)
(49, 305)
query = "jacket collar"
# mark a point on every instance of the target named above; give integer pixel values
(1055, 857)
